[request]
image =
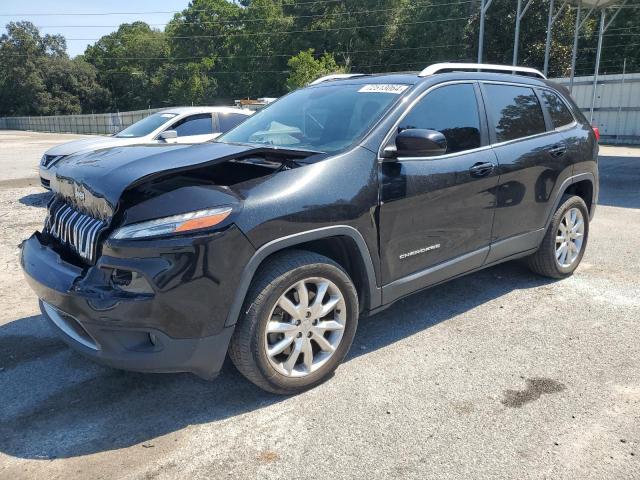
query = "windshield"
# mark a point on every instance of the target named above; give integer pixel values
(146, 125)
(327, 118)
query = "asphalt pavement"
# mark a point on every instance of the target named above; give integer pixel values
(499, 374)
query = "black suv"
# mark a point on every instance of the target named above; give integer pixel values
(335, 201)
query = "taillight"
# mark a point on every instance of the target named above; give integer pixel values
(596, 131)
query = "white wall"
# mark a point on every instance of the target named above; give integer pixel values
(617, 106)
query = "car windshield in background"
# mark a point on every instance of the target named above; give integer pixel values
(325, 118)
(146, 125)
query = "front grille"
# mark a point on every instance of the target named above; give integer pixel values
(48, 160)
(74, 229)
(45, 183)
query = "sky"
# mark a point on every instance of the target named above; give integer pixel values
(67, 22)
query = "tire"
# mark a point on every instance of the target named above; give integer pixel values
(287, 275)
(545, 261)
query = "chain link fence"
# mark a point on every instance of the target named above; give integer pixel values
(99, 123)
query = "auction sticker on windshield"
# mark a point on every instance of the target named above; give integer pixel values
(384, 88)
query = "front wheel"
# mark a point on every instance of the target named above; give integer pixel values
(299, 320)
(565, 241)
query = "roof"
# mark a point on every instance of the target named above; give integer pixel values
(413, 78)
(480, 67)
(409, 78)
(437, 72)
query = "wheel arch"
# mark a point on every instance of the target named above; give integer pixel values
(342, 243)
(583, 189)
(583, 185)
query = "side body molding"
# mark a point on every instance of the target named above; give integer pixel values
(375, 293)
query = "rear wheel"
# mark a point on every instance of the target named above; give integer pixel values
(564, 243)
(299, 320)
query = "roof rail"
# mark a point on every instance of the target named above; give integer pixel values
(443, 67)
(335, 76)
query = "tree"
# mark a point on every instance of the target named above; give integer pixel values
(127, 61)
(38, 78)
(500, 30)
(72, 86)
(305, 68)
(214, 51)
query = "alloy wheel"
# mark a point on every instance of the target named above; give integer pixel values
(569, 237)
(305, 327)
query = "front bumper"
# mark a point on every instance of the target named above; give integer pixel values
(46, 174)
(143, 350)
(178, 327)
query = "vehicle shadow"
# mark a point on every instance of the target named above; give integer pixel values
(36, 199)
(619, 180)
(56, 404)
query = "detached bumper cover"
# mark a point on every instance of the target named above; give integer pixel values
(178, 327)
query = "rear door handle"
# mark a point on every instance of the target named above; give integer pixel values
(557, 150)
(482, 169)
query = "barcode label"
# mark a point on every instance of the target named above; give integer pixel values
(384, 88)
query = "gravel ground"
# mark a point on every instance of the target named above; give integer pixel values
(499, 374)
(20, 152)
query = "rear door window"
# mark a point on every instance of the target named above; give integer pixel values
(451, 110)
(229, 120)
(200, 124)
(558, 111)
(514, 112)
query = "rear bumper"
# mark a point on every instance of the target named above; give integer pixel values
(167, 330)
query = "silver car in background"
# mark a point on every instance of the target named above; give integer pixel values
(174, 125)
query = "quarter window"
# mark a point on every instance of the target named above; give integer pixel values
(514, 112)
(558, 111)
(194, 125)
(451, 110)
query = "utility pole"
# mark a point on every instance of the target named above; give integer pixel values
(603, 28)
(574, 53)
(519, 15)
(595, 74)
(484, 6)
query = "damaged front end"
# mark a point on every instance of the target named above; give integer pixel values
(129, 270)
(98, 192)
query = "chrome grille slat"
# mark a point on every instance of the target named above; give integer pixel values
(74, 229)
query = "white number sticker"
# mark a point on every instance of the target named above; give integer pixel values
(384, 88)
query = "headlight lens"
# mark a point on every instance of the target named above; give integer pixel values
(175, 224)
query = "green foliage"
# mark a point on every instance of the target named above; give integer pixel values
(217, 50)
(38, 78)
(127, 62)
(500, 31)
(305, 68)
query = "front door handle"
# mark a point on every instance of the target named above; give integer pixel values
(482, 169)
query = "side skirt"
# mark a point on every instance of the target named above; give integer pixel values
(433, 275)
(499, 252)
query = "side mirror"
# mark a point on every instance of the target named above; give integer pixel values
(168, 134)
(415, 142)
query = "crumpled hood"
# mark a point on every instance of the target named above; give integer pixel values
(95, 181)
(88, 144)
